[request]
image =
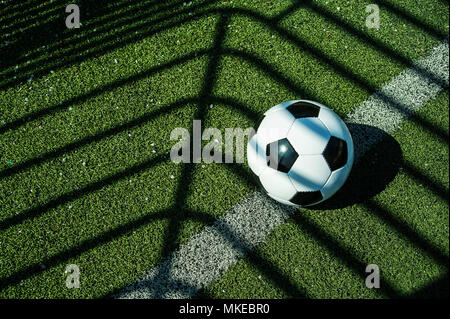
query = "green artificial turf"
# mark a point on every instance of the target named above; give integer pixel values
(403, 228)
(86, 116)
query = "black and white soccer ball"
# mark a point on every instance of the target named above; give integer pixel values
(302, 152)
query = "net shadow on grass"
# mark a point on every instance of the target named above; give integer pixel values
(96, 92)
(162, 282)
(141, 120)
(333, 246)
(436, 33)
(178, 214)
(75, 49)
(37, 211)
(181, 194)
(56, 9)
(290, 37)
(75, 52)
(245, 56)
(407, 232)
(23, 7)
(398, 11)
(42, 209)
(342, 254)
(93, 138)
(421, 178)
(172, 234)
(271, 271)
(238, 170)
(204, 99)
(341, 69)
(89, 244)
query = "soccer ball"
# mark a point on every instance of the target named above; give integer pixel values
(302, 152)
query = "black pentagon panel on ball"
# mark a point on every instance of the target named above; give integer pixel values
(303, 109)
(284, 156)
(335, 153)
(306, 198)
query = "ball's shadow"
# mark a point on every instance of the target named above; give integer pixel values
(372, 172)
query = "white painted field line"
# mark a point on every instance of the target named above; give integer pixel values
(217, 247)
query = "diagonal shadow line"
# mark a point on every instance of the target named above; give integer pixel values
(412, 19)
(26, 6)
(272, 272)
(424, 179)
(406, 231)
(91, 243)
(286, 12)
(377, 44)
(37, 211)
(94, 138)
(441, 134)
(115, 10)
(268, 69)
(18, 6)
(341, 253)
(36, 8)
(240, 171)
(438, 288)
(93, 49)
(22, 19)
(108, 87)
